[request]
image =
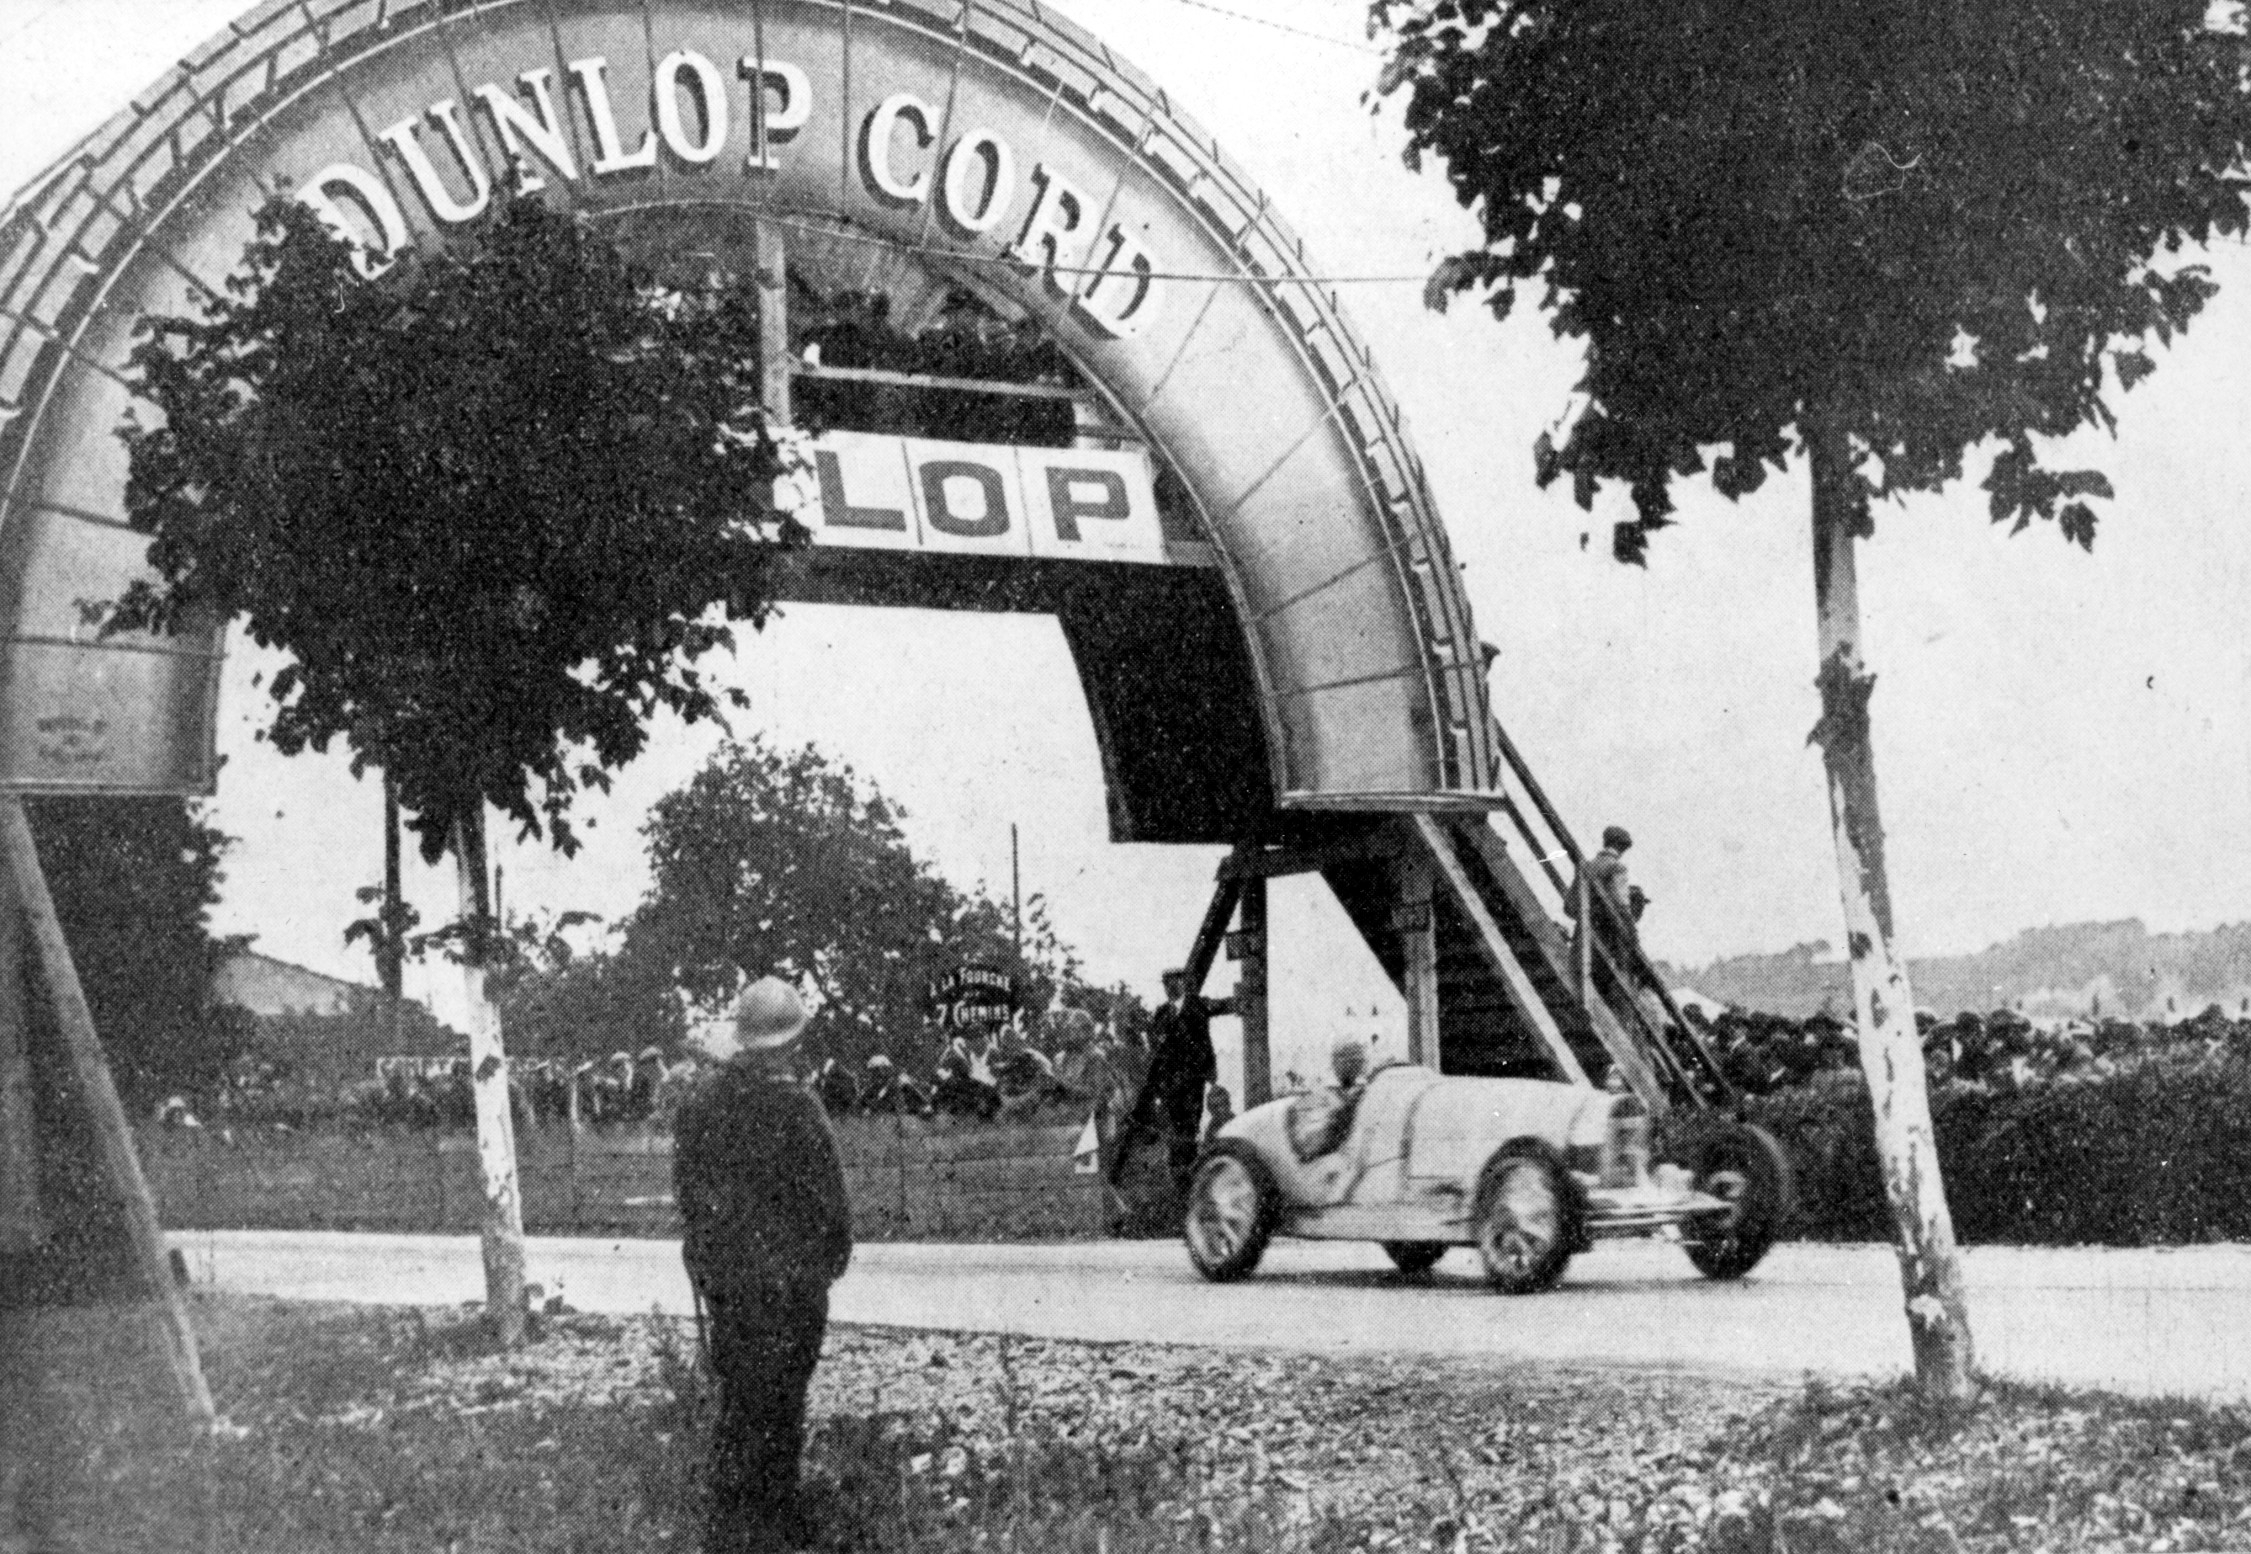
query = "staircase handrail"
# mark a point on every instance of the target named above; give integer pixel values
(1638, 967)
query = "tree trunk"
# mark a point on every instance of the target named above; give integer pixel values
(391, 956)
(1891, 1049)
(503, 1227)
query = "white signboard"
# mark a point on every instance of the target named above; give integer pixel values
(977, 499)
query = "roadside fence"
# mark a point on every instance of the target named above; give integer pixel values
(910, 1179)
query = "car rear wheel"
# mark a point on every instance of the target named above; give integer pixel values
(1527, 1219)
(1231, 1207)
(1743, 1165)
(1413, 1257)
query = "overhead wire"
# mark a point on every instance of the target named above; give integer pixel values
(1301, 32)
(959, 256)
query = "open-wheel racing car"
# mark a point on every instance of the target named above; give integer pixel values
(1528, 1171)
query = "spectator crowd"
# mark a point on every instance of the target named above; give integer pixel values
(1764, 1054)
(1064, 1064)
(1046, 1067)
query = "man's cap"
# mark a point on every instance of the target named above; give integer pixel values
(769, 1014)
(1617, 838)
(1177, 974)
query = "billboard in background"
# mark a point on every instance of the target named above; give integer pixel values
(974, 997)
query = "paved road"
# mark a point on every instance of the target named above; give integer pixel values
(2175, 1321)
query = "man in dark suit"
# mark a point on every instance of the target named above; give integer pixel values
(768, 1230)
(1181, 1064)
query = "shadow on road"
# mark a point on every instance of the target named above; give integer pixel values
(1466, 1280)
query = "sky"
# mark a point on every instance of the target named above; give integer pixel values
(2060, 737)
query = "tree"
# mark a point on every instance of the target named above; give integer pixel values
(787, 862)
(491, 507)
(389, 931)
(1879, 236)
(572, 1007)
(134, 881)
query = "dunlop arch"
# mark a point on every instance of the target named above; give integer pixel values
(1341, 647)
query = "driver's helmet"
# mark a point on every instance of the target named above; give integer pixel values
(1348, 1059)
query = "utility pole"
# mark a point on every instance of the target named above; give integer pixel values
(1016, 894)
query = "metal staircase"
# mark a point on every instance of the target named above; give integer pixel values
(1519, 972)
(1508, 969)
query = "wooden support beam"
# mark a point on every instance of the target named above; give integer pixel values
(21, 1225)
(1504, 961)
(1250, 998)
(1214, 930)
(1416, 920)
(90, 1071)
(773, 319)
(1275, 862)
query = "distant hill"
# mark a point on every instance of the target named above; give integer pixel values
(2118, 968)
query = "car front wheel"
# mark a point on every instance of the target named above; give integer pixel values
(1231, 1206)
(1746, 1168)
(1527, 1220)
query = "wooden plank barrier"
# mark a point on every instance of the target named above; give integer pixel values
(909, 1179)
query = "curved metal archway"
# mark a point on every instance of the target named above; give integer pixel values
(986, 139)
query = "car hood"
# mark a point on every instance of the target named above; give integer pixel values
(1447, 1125)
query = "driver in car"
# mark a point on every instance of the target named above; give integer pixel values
(1321, 1121)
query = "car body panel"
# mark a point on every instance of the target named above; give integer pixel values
(1408, 1169)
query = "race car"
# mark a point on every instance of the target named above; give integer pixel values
(1528, 1171)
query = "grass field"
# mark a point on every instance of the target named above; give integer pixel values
(353, 1428)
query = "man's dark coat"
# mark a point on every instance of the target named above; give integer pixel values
(1181, 1061)
(768, 1228)
(759, 1186)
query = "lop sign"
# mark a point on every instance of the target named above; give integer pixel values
(978, 499)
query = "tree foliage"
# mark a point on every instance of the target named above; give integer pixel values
(1922, 227)
(582, 1008)
(486, 504)
(134, 881)
(788, 862)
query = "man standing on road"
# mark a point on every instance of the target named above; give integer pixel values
(768, 1230)
(1181, 1064)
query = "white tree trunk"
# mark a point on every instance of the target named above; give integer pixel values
(1891, 1048)
(502, 1232)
